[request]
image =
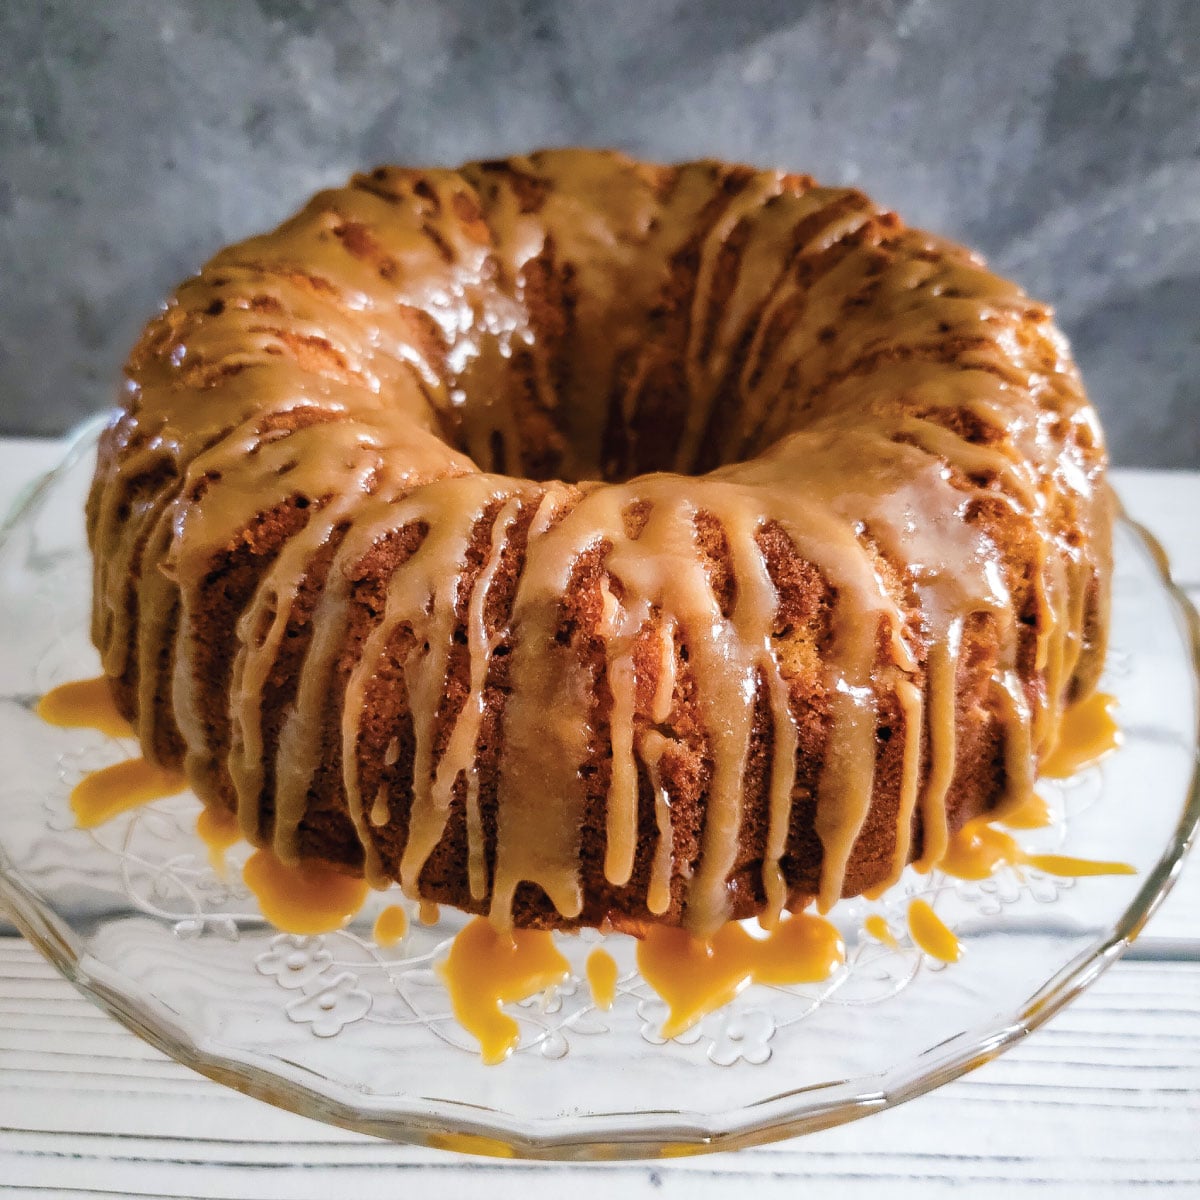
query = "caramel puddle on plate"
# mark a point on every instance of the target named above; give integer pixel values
(695, 977)
(84, 703)
(487, 968)
(218, 831)
(428, 912)
(390, 927)
(880, 930)
(1034, 813)
(304, 899)
(471, 1143)
(976, 852)
(104, 794)
(978, 849)
(602, 978)
(1088, 731)
(930, 933)
(1067, 867)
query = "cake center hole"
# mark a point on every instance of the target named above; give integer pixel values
(644, 419)
(507, 431)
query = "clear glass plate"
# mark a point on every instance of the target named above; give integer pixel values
(338, 1029)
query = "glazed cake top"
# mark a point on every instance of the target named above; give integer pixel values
(629, 351)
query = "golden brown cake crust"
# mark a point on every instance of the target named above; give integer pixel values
(585, 541)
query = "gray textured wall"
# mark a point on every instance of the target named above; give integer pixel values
(138, 136)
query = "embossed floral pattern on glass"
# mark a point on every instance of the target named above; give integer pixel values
(341, 1029)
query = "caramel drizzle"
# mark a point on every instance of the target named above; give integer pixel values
(326, 361)
(705, 363)
(423, 594)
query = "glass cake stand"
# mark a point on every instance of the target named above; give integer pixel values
(339, 1029)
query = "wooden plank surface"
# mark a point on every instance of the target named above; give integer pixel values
(1104, 1098)
(1106, 1095)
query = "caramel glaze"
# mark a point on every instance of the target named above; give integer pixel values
(390, 927)
(308, 898)
(697, 977)
(931, 934)
(487, 968)
(876, 926)
(84, 703)
(1087, 733)
(219, 832)
(581, 541)
(602, 975)
(978, 849)
(101, 795)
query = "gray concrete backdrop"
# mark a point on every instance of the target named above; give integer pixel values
(1063, 139)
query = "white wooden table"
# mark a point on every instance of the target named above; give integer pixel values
(1103, 1098)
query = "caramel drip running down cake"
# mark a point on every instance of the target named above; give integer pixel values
(580, 541)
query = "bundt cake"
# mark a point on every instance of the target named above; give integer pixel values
(581, 541)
